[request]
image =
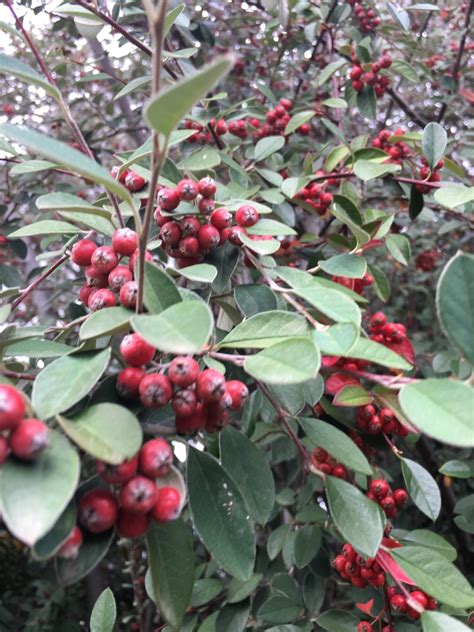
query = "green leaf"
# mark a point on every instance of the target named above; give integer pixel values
(220, 515)
(265, 147)
(168, 107)
(368, 170)
(276, 540)
(441, 408)
(328, 71)
(45, 227)
(74, 160)
(402, 17)
(15, 67)
(270, 227)
(297, 120)
(335, 156)
(225, 259)
(32, 166)
(265, 329)
(337, 621)
(434, 574)
(307, 543)
(239, 590)
(335, 102)
(108, 432)
(404, 69)
(263, 247)
(367, 102)
(453, 195)
(337, 443)
(423, 537)
(61, 201)
(182, 328)
(288, 362)
(347, 212)
(433, 143)
(171, 562)
(171, 18)
(159, 289)
(92, 551)
(253, 299)
(50, 543)
(336, 339)
(233, 618)
(422, 488)
(66, 381)
(37, 349)
(352, 395)
(104, 612)
(441, 622)
(34, 495)
(205, 590)
(132, 86)
(346, 265)
(399, 247)
(105, 322)
(255, 481)
(201, 273)
(416, 202)
(279, 609)
(202, 160)
(365, 349)
(458, 469)
(360, 520)
(381, 283)
(455, 303)
(332, 303)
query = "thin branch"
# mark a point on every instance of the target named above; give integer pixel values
(27, 291)
(406, 108)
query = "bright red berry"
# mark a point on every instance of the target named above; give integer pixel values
(206, 206)
(207, 187)
(125, 241)
(155, 458)
(118, 277)
(104, 259)
(139, 494)
(400, 497)
(168, 199)
(29, 439)
(132, 525)
(238, 392)
(114, 172)
(379, 487)
(189, 226)
(170, 233)
(167, 506)
(82, 251)
(184, 402)
(189, 247)
(136, 351)
(364, 626)
(398, 603)
(208, 237)
(117, 474)
(221, 218)
(210, 385)
(96, 278)
(98, 510)
(183, 371)
(134, 182)
(70, 548)
(128, 294)
(187, 189)
(101, 299)
(246, 216)
(12, 407)
(155, 390)
(234, 235)
(128, 381)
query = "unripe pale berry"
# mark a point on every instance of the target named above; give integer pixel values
(246, 216)
(29, 439)
(70, 548)
(101, 299)
(104, 259)
(238, 392)
(132, 525)
(136, 351)
(12, 407)
(155, 390)
(167, 506)
(183, 371)
(125, 241)
(98, 510)
(155, 458)
(117, 474)
(139, 494)
(210, 385)
(82, 251)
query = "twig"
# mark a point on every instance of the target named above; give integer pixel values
(18, 376)
(406, 108)
(32, 286)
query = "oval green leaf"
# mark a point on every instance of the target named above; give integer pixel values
(288, 362)
(422, 488)
(105, 322)
(265, 329)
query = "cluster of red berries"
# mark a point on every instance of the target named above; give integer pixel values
(390, 500)
(190, 238)
(361, 77)
(276, 120)
(316, 194)
(400, 603)
(108, 281)
(367, 18)
(199, 399)
(202, 134)
(374, 421)
(397, 151)
(429, 175)
(131, 180)
(384, 332)
(426, 261)
(141, 495)
(24, 438)
(323, 462)
(356, 285)
(360, 572)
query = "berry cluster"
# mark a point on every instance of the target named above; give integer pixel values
(426, 261)
(24, 438)
(323, 462)
(276, 120)
(190, 238)
(141, 494)
(397, 151)
(367, 18)
(400, 603)
(108, 281)
(390, 500)
(425, 173)
(132, 181)
(375, 421)
(369, 75)
(199, 399)
(360, 572)
(202, 134)
(316, 195)
(386, 333)
(356, 285)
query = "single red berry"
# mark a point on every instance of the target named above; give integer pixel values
(134, 182)
(70, 548)
(128, 294)
(168, 199)
(125, 241)
(184, 402)
(98, 510)
(84, 294)
(378, 580)
(304, 129)
(356, 73)
(400, 497)
(104, 259)
(96, 278)
(12, 407)
(128, 381)
(118, 277)
(136, 351)
(419, 597)
(366, 412)
(170, 233)
(221, 218)
(190, 423)
(114, 172)
(155, 458)
(207, 187)
(374, 425)
(287, 104)
(189, 247)
(167, 506)
(348, 552)
(210, 385)
(139, 494)
(364, 626)
(155, 390)
(339, 562)
(385, 61)
(246, 216)
(132, 525)
(238, 392)
(29, 439)
(339, 471)
(117, 474)
(358, 85)
(189, 226)
(101, 299)
(234, 235)
(206, 205)
(208, 237)
(398, 603)
(82, 251)
(183, 371)
(379, 487)
(159, 218)
(187, 189)
(388, 504)
(326, 198)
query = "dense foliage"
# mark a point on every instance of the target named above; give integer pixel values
(237, 338)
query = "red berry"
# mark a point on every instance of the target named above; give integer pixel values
(98, 510)
(189, 247)
(388, 504)
(184, 402)
(339, 471)
(187, 189)
(155, 458)
(159, 218)
(420, 598)
(128, 294)
(190, 423)
(12, 407)
(400, 497)
(101, 299)
(304, 129)
(358, 85)
(168, 199)
(70, 548)
(136, 351)
(206, 206)
(134, 257)
(210, 385)
(128, 381)
(364, 626)
(246, 216)
(183, 371)
(234, 235)
(95, 278)
(125, 241)
(385, 61)
(84, 294)
(134, 182)
(138, 494)
(82, 251)
(379, 487)
(366, 412)
(104, 259)
(221, 218)
(117, 474)
(132, 525)
(170, 233)
(208, 237)
(189, 226)
(374, 425)
(118, 277)
(207, 187)
(238, 392)
(155, 390)
(398, 603)
(114, 172)
(29, 439)
(356, 73)
(167, 506)
(287, 104)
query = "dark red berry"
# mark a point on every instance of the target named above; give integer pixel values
(117, 474)
(168, 199)
(155, 390)
(246, 216)
(118, 277)
(98, 510)
(155, 458)
(183, 371)
(12, 407)
(187, 189)
(132, 525)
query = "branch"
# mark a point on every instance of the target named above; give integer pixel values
(406, 108)
(27, 291)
